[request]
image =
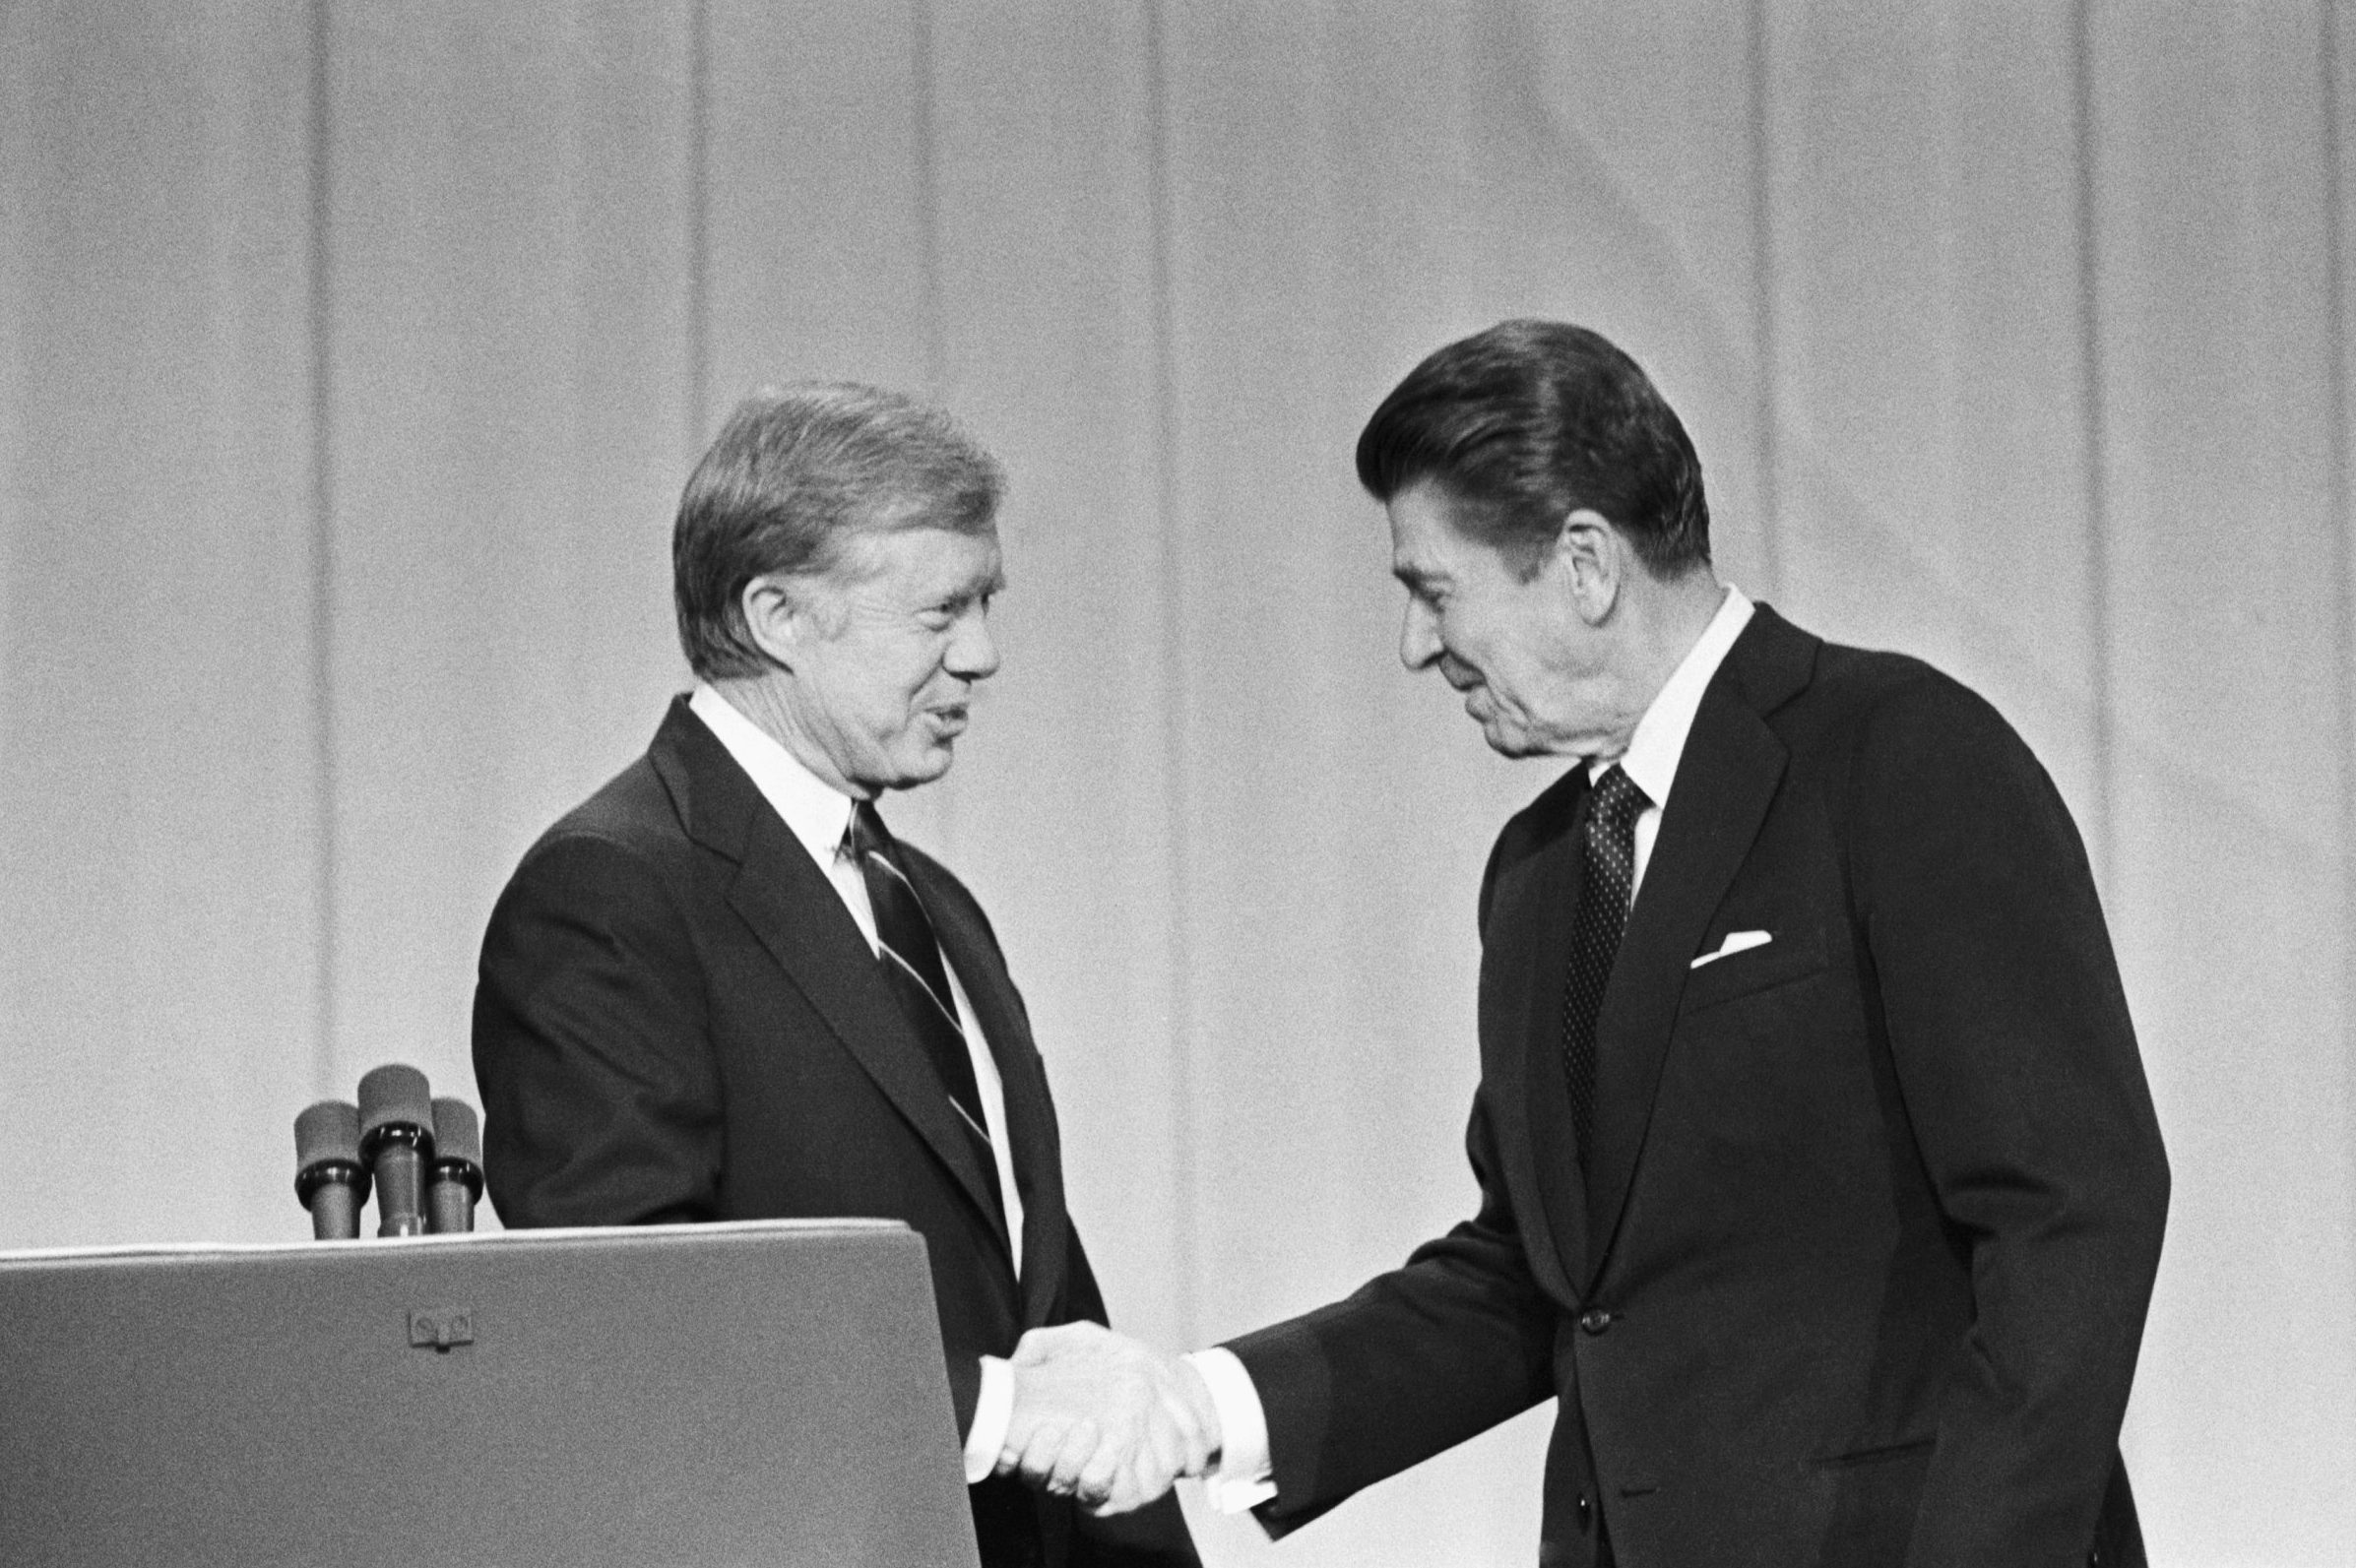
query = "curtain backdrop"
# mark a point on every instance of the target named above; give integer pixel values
(354, 354)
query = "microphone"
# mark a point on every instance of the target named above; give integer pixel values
(456, 1168)
(328, 1177)
(396, 1144)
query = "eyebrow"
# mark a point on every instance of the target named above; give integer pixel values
(990, 589)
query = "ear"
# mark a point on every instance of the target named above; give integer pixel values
(779, 614)
(1592, 559)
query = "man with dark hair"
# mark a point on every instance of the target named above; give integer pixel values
(719, 989)
(1820, 1181)
(1531, 422)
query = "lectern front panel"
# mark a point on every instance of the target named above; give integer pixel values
(695, 1396)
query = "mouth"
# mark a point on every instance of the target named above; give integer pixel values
(948, 721)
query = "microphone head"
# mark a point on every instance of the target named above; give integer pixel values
(457, 1132)
(326, 1150)
(394, 1096)
(328, 1130)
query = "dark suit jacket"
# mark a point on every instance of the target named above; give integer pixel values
(677, 1020)
(1875, 1208)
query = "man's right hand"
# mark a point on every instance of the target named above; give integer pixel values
(1100, 1418)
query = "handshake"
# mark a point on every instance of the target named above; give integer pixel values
(1099, 1418)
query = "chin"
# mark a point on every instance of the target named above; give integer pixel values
(1507, 742)
(932, 765)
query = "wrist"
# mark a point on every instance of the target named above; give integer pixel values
(1204, 1402)
(1244, 1477)
(994, 1413)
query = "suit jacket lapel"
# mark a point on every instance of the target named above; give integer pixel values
(1029, 1113)
(799, 918)
(1726, 778)
(1522, 977)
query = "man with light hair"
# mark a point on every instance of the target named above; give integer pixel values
(720, 989)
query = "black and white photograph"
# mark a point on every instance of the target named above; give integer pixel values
(1178, 783)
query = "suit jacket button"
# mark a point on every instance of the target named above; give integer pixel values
(1595, 1320)
(1586, 1511)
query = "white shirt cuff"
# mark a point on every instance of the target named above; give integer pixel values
(1243, 1476)
(994, 1412)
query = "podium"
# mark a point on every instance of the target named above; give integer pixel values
(693, 1396)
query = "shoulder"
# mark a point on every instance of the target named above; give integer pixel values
(1884, 710)
(600, 901)
(628, 828)
(1922, 769)
(633, 804)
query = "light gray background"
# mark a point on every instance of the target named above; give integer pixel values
(354, 354)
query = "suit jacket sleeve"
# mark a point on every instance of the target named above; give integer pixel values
(2009, 1033)
(1454, 1342)
(592, 1045)
(1419, 1359)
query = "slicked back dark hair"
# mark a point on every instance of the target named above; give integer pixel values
(795, 475)
(1529, 421)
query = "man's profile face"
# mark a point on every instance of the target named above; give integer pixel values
(1517, 649)
(901, 638)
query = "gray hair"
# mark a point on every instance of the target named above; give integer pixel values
(795, 475)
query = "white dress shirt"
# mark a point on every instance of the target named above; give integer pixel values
(1658, 742)
(1246, 1478)
(819, 815)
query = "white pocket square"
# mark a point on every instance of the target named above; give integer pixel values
(1736, 942)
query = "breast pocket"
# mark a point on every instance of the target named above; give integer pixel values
(1791, 953)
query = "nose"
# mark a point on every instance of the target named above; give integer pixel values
(1419, 636)
(973, 653)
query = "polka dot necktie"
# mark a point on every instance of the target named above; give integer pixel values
(911, 957)
(1605, 891)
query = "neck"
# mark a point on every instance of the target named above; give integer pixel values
(768, 701)
(1664, 620)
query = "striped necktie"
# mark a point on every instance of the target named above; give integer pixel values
(911, 959)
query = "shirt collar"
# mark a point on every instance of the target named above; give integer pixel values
(816, 811)
(1659, 741)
